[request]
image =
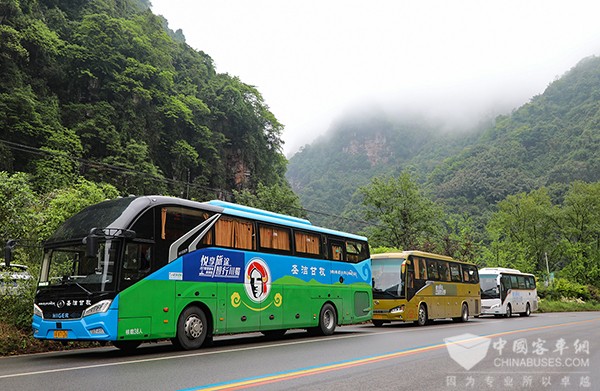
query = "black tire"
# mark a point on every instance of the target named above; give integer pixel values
(327, 321)
(464, 314)
(274, 333)
(377, 323)
(422, 319)
(527, 311)
(508, 311)
(126, 346)
(192, 329)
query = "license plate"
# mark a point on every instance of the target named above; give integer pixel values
(60, 334)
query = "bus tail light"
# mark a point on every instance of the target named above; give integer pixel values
(101, 306)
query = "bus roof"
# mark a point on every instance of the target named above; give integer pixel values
(499, 270)
(121, 212)
(277, 218)
(228, 206)
(406, 254)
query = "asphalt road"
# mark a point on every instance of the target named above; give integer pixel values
(559, 351)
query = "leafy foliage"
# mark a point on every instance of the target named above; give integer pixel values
(105, 90)
(405, 217)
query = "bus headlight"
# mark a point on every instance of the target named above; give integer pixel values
(101, 306)
(397, 310)
(37, 311)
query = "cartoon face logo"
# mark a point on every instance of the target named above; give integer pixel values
(257, 280)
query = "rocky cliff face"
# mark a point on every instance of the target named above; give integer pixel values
(376, 149)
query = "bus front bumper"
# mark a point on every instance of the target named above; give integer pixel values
(97, 327)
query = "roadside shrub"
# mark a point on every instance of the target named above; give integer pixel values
(562, 288)
(16, 308)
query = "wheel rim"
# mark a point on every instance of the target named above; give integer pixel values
(422, 315)
(509, 311)
(465, 313)
(193, 327)
(327, 319)
(528, 310)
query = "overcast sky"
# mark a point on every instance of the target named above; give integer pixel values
(313, 60)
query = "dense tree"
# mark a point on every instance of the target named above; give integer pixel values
(523, 231)
(580, 232)
(404, 217)
(102, 89)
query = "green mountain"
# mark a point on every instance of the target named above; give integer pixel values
(550, 141)
(103, 89)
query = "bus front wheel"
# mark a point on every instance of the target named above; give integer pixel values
(508, 311)
(192, 329)
(327, 321)
(422, 318)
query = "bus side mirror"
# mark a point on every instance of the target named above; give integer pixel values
(91, 245)
(8, 251)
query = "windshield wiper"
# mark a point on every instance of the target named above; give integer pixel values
(67, 281)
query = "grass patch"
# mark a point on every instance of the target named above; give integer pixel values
(567, 305)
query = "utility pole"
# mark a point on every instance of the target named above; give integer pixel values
(547, 267)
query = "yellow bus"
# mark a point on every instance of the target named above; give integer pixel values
(415, 286)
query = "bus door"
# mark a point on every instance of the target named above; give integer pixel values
(504, 288)
(408, 275)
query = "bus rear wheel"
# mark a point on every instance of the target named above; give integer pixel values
(422, 318)
(464, 314)
(327, 321)
(527, 311)
(192, 329)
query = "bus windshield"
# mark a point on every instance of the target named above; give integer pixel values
(489, 286)
(68, 265)
(388, 279)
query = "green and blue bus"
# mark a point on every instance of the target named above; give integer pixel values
(146, 268)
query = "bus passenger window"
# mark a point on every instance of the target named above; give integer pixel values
(455, 272)
(234, 233)
(354, 251)
(423, 269)
(443, 270)
(337, 252)
(418, 268)
(274, 238)
(307, 243)
(432, 270)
